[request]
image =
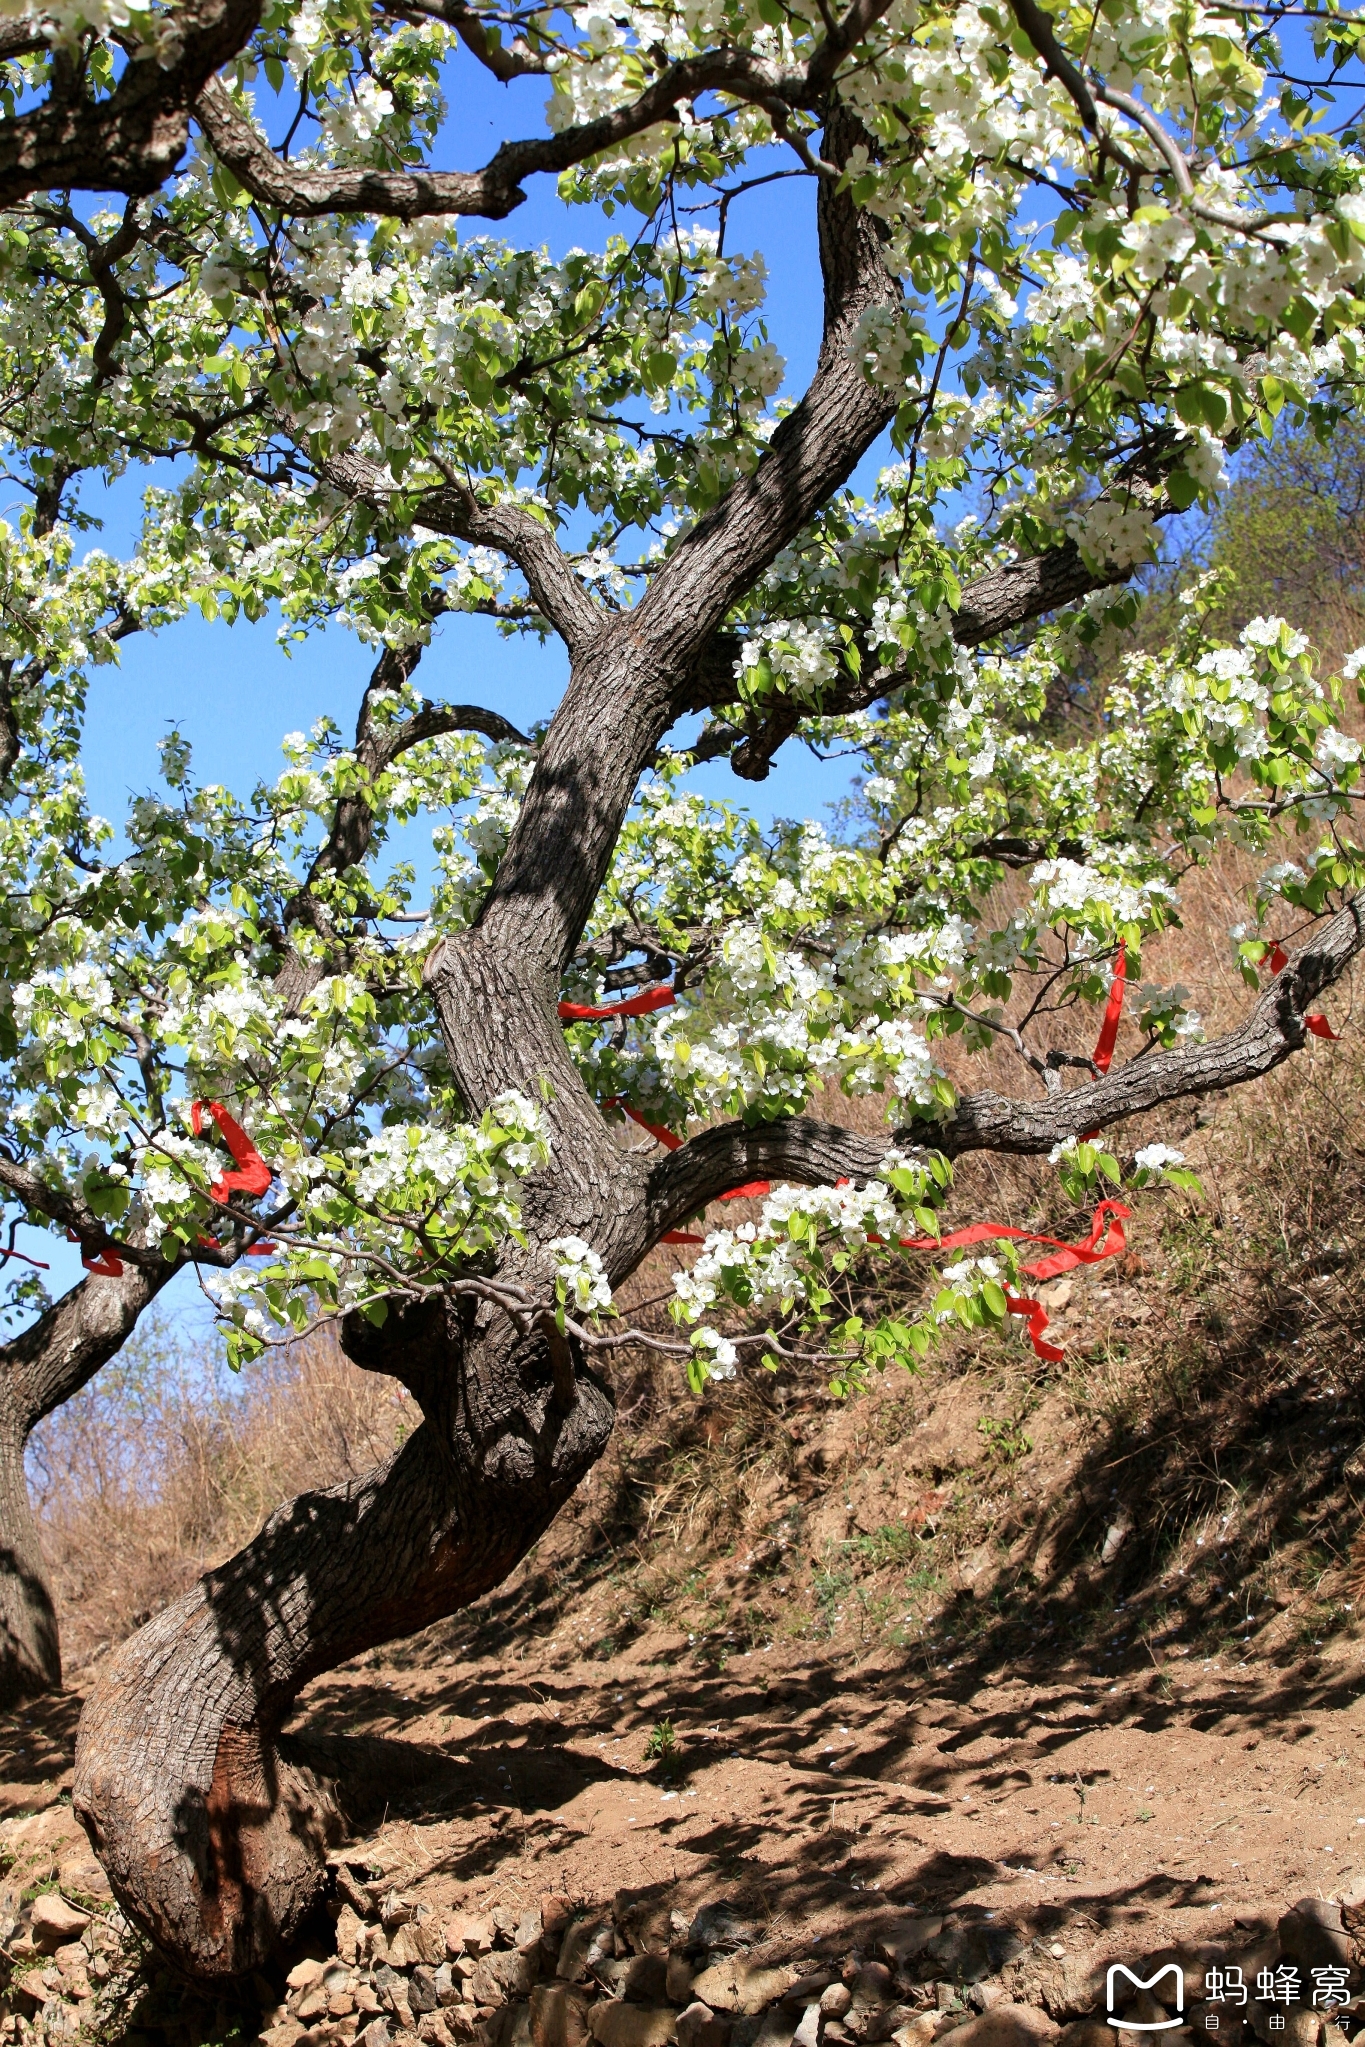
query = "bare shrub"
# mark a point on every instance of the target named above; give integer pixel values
(166, 1463)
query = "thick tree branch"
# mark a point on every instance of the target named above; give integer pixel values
(496, 190)
(998, 602)
(452, 508)
(379, 742)
(810, 1152)
(634, 677)
(133, 140)
(62, 1351)
(41, 1199)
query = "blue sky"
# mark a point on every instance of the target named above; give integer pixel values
(235, 692)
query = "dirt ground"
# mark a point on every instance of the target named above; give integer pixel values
(1070, 1650)
(1103, 1799)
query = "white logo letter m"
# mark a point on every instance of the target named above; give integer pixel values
(1172, 1969)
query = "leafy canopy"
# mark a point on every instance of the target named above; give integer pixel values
(1128, 240)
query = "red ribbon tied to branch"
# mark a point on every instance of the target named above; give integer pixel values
(252, 1175)
(637, 1005)
(1103, 1054)
(1106, 1240)
(751, 1190)
(1277, 959)
(104, 1264)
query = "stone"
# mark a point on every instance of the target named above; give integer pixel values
(699, 2026)
(517, 2032)
(589, 1940)
(873, 1994)
(614, 2024)
(1313, 1935)
(530, 1926)
(1085, 2033)
(376, 2034)
(396, 1910)
(835, 2000)
(777, 2029)
(432, 2028)
(1144, 2011)
(808, 1989)
(1193, 1961)
(1006, 2025)
(305, 1974)
(312, 2004)
(350, 1932)
(1220, 2025)
(902, 1942)
(467, 1935)
(406, 1946)
(53, 1922)
(79, 1872)
(422, 1989)
(735, 1984)
(918, 2031)
(678, 1979)
(447, 1984)
(972, 1948)
(645, 1980)
(556, 1910)
(643, 1920)
(807, 2032)
(559, 2015)
(722, 1925)
(501, 1976)
(1302, 2026)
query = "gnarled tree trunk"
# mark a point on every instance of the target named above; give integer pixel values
(40, 1369)
(211, 1834)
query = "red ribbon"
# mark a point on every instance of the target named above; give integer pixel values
(1051, 1353)
(253, 1175)
(104, 1264)
(638, 1005)
(1106, 1240)
(1277, 959)
(1103, 1055)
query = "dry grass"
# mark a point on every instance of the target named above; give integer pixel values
(166, 1464)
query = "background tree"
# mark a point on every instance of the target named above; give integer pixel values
(388, 424)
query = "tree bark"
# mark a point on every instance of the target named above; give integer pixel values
(42, 1367)
(30, 1652)
(213, 1831)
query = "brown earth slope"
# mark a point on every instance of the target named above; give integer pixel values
(982, 1682)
